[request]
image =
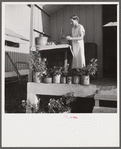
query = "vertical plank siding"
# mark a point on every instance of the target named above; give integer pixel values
(90, 24)
(41, 22)
(46, 23)
(23, 58)
(59, 23)
(16, 57)
(74, 10)
(53, 27)
(82, 15)
(98, 37)
(66, 28)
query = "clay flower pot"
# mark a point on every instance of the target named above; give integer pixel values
(69, 80)
(37, 77)
(42, 40)
(47, 80)
(56, 79)
(76, 80)
(63, 80)
(85, 80)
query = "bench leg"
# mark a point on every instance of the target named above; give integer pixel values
(97, 103)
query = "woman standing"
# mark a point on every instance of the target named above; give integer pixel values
(78, 33)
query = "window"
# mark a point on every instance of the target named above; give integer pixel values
(11, 44)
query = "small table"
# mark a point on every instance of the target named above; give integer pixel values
(56, 47)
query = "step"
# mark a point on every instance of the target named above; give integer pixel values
(104, 110)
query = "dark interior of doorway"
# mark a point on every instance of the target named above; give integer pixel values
(109, 42)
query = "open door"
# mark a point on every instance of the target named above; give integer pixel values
(109, 41)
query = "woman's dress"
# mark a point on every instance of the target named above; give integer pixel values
(78, 47)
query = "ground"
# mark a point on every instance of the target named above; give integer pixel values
(15, 92)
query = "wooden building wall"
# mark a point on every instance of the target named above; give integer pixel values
(90, 17)
(16, 57)
(17, 54)
(41, 22)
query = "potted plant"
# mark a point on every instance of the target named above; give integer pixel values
(48, 75)
(87, 71)
(62, 104)
(69, 77)
(57, 72)
(37, 65)
(76, 75)
(64, 74)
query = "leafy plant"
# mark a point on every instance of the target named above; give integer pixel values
(65, 70)
(90, 69)
(59, 105)
(48, 73)
(57, 70)
(36, 63)
(30, 108)
(76, 72)
(62, 104)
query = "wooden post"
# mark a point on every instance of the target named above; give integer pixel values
(97, 104)
(65, 60)
(31, 38)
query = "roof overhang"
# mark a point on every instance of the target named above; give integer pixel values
(11, 33)
(51, 8)
(110, 24)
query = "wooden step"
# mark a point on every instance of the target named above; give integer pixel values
(105, 95)
(108, 94)
(104, 110)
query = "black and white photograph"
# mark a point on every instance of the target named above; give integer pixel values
(61, 61)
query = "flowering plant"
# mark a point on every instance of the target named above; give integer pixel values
(76, 72)
(62, 104)
(90, 69)
(57, 70)
(36, 63)
(55, 105)
(48, 73)
(65, 70)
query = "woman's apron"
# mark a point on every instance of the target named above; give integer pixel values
(78, 48)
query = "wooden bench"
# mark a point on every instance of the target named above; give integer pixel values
(105, 95)
(91, 91)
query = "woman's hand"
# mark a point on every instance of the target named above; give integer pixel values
(69, 38)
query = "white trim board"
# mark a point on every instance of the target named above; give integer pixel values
(13, 73)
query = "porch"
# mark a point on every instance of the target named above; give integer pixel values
(103, 92)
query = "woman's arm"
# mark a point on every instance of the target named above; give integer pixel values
(75, 38)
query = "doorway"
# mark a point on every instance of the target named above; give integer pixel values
(109, 41)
